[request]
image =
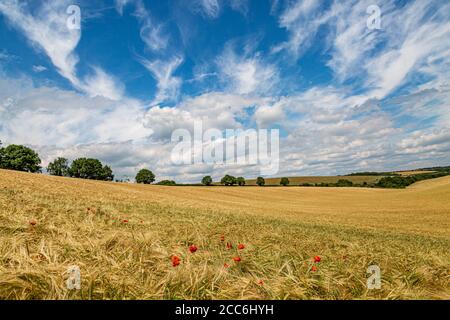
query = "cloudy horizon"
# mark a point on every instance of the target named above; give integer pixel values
(345, 97)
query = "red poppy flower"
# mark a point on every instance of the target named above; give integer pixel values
(125, 221)
(33, 222)
(260, 282)
(241, 246)
(193, 248)
(314, 268)
(225, 265)
(175, 261)
(222, 238)
(317, 259)
(229, 246)
(237, 259)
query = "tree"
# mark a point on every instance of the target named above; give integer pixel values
(240, 181)
(228, 180)
(20, 158)
(93, 169)
(59, 167)
(107, 174)
(145, 176)
(207, 181)
(260, 181)
(284, 181)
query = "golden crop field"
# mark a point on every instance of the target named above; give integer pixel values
(318, 179)
(124, 236)
(413, 172)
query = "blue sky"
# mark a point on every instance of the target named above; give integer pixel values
(346, 97)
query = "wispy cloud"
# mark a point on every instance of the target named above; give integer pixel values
(210, 8)
(39, 69)
(47, 31)
(163, 72)
(246, 73)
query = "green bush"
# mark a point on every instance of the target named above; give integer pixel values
(167, 183)
(344, 183)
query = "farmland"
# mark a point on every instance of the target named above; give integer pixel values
(319, 179)
(123, 236)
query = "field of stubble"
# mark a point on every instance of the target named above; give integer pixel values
(124, 237)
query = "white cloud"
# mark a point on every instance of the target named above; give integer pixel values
(168, 85)
(51, 116)
(39, 69)
(211, 8)
(47, 31)
(246, 74)
(121, 4)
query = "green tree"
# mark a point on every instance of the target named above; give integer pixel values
(240, 181)
(228, 180)
(260, 181)
(88, 168)
(284, 181)
(207, 181)
(59, 167)
(20, 158)
(107, 174)
(145, 176)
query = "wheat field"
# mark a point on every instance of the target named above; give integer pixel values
(123, 238)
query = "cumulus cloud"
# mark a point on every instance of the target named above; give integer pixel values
(51, 116)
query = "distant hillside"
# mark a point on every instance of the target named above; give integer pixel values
(318, 180)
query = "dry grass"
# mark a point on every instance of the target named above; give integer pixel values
(318, 179)
(405, 232)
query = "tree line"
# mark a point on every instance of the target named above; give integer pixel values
(229, 180)
(22, 158)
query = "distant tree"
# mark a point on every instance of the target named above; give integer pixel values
(59, 167)
(260, 181)
(88, 168)
(284, 181)
(145, 176)
(107, 174)
(228, 180)
(207, 181)
(20, 158)
(167, 183)
(240, 181)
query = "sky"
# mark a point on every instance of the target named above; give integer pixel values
(346, 93)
